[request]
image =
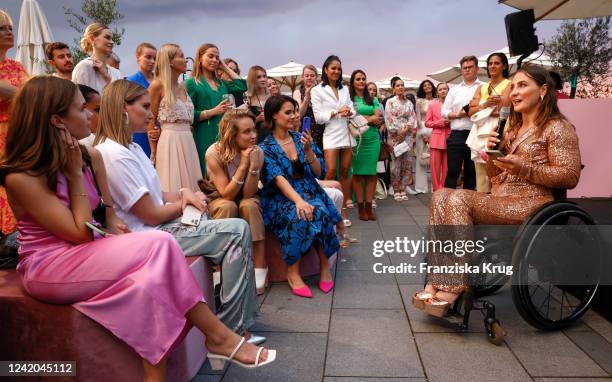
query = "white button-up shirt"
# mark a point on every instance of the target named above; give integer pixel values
(459, 96)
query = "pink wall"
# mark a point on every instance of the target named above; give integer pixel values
(593, 121)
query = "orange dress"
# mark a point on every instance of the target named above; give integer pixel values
(551, 161)
(13, 72)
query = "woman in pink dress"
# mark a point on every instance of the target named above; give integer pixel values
(137, 285)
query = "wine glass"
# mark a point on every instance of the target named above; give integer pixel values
(231, 99)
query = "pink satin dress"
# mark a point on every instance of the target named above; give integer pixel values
(137, 285)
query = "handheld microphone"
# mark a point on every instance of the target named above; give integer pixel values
(504, 113)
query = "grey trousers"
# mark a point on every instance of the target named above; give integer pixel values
(225, 242)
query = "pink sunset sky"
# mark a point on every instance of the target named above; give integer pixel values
(410, 37)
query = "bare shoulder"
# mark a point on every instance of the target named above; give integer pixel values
(155, 86)
(17, 180)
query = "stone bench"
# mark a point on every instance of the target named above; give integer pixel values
(34, 331)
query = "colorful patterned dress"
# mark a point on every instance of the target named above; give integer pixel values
(398, 115)
(13, 72)
(296, 236)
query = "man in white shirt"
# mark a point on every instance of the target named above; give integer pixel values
(455, 108)
(60, 59)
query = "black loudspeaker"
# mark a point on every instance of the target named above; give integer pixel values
(521, 33)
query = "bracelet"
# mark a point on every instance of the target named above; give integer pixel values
(239, 182)
(310, 160)
(254, 172)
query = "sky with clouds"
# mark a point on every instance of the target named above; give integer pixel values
(381, 37)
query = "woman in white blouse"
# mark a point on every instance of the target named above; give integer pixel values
(93, 71)
(332, 106)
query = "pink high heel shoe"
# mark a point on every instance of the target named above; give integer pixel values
(302, 292)
(326, 286)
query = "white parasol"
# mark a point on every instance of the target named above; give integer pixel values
(33, 35)
(289, 75)
(452, 74)
(563, 9)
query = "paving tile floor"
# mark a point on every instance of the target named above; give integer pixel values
(367, 330)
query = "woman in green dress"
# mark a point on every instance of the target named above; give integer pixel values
(365, 154)
(207, 93)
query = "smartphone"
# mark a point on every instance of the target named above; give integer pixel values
(306, 122)
(191, 216)
(494, 154)
(96, 229)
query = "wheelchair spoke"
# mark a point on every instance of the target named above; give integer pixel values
(549, 294)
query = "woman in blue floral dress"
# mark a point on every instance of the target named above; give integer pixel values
(295, 208)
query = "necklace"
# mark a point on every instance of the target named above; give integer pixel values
(286, 142)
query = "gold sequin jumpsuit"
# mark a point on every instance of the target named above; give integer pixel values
(551, 161)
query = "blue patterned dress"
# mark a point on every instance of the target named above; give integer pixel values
(296, 236)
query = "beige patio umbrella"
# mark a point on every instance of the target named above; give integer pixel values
(409, 83)
(563, 9)
(33, 35)
(289, 75)
(452, 74)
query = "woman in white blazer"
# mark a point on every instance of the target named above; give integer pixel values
(332, 106)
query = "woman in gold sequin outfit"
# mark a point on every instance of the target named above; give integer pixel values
(542, 155)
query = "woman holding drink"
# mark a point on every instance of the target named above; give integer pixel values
(211, 96)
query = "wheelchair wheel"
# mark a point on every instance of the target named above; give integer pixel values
(558, 241)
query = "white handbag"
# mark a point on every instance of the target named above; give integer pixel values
(401, 149)
(357, 125)
(381, 190)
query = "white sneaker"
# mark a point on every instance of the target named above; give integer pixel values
(411, 191)
(390, 191)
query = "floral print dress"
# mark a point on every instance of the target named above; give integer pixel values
(13, 72)
(296, 236)
(398, 115)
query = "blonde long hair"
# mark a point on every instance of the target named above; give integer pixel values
(5, 18)
(252, 80)
(228, 130)
(92, 30)
(163, 71)
(112, 122)
(197, 63)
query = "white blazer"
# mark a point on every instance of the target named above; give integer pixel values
(336, 134)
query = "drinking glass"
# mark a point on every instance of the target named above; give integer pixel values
(231, 99)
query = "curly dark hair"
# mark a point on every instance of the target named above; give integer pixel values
(421, 90)
(367, 99)
(326, 64)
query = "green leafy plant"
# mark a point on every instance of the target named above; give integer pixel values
(582, 50)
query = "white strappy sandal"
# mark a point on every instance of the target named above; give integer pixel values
(217, 361)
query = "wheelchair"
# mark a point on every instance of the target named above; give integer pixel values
(543, 299)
